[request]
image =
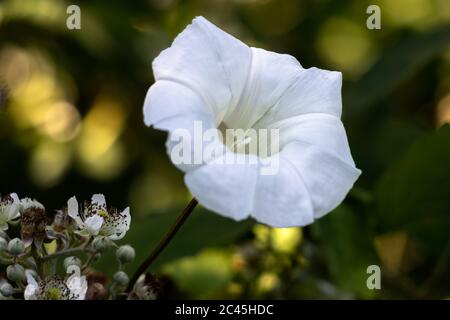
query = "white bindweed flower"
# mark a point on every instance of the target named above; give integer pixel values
(95, 219)
(208, 76)
(9, 210)
(56, 288)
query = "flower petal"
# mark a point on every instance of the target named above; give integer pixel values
(327, 177)
(30, 292)
(27, 203)
(313, 91)
(32, 287)
(270, 75)
(170, 105)
(78, 286)
(99, 200)
(322, 130)
(123, 225)
(176, 108)
(225, 187)
(282, 199)
(208, 60)
(73, 211)
(93, 224)
(15, 197)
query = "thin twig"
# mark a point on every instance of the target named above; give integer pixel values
(163, 242)
(62, 253)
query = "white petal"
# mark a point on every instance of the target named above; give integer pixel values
(123, 227)
(169, 101)
(314, 91)
(176, 108)
(328, 178)
(225, 188)
(30, 292)
(27, 203)
(77, 286)
(13, 211)
(270, 75)
(322, 130)
(99, 200)
(31, 288)
(73, 211)
(30, 278)
(281, 199)
(15, 197)
(208, 60)
(93, 224)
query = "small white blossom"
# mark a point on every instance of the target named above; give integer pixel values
(9, 210)
(56, 288)
(95, 219)
(27, 203)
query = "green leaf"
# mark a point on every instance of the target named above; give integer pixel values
(414, 192)
(395, 66)
(347, 249)
(202, 230)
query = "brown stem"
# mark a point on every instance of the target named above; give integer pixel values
(163, 242)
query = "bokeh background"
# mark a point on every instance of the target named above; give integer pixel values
(71, 124)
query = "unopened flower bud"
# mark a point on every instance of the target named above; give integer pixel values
(15, 273)
(100, 244)
(121, 279)
(125, 254)
(72, 261)
(3, 244)
(6, 289)
(16, 247)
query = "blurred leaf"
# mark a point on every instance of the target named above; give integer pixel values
(414, 192)
(347, 249)
(396, 65)
(202, 276)
(202, 230)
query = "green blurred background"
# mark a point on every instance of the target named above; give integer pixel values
(71, 124)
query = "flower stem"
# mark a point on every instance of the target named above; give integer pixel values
(63, 253)
(163, 242)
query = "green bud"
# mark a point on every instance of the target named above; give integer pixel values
(6, 290)
(100, 244)
(15, 273)
(125, 254)
(72, 261)
(121, 279)
(3, 244)
(16, 247)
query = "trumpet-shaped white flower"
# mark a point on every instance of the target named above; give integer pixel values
(9, 210)
(55, 288)
(209, 76)
(95, 219)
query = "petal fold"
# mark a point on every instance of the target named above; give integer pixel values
(226, 187)
(282, 199)
(313, 91)
(327, 177)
